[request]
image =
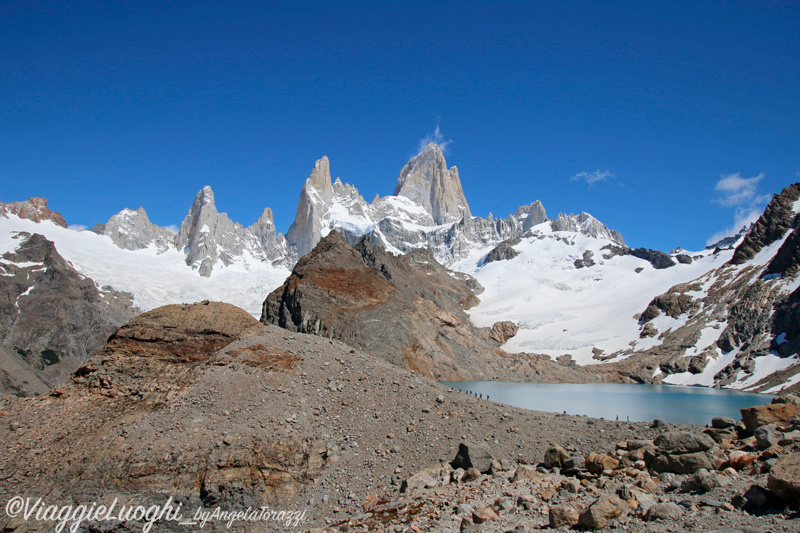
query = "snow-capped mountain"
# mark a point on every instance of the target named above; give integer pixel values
(719, 317)
(427, 210)
(575, 290)
(207, 237)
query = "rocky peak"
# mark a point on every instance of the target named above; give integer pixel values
(315, 199)
(531, 215)
(588, 225)
(34, 208)
(207, 236)
(132, 230)
(426, 181)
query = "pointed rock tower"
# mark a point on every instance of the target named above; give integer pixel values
(207, 236)
(426, 181)
(315, 198)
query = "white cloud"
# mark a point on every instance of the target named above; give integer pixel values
(436, 137)
(744, 217)
(741, 193)
(593, 177)
(172, 228)
(737, 190)
(77, 227)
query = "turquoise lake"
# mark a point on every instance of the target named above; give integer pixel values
(641, 403)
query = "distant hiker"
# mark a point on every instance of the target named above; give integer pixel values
(480, 396)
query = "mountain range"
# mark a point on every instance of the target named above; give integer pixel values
(722, 316)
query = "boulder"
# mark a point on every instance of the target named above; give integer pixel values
(767, 436)
(596, 463)
(471, 474)
(603, 512)
(784, 478)
(664, 511)
(681, 442)
(565, 514)
(555, 456)
(529, 473)
(471, 454)
(774, 413)
(435, 476)
(739, 460)
(687, 463)
(722, 422)
(502, 331)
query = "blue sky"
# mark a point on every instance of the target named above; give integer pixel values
(668, 121)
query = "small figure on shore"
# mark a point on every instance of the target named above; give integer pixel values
(480, 396)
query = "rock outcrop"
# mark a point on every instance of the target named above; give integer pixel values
(34, 208)
(778, 218)
(408, 310)
(51, 316)
(588, 225)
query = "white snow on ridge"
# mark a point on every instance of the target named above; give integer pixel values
(153, 278)
(765, 365)
(563, 309)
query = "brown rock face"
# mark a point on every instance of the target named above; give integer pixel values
(51, 316)
(32, 209)
(408, 310)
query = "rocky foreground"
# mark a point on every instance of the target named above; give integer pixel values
(202, 404)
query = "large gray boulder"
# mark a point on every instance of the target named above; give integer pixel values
(471, 454)
(679, 442)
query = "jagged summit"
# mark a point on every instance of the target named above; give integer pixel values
(426, 181)
(132, 230)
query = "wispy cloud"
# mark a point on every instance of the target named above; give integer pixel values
(591, 178)
(436, 137)
(738, 191)
(77, 227)
(743, 195)
(742, 219)
(172, 228)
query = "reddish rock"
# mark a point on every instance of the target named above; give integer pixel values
(774, 413)
(32, 209)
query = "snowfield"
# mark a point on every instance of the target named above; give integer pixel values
(562, 309)
(153, 278)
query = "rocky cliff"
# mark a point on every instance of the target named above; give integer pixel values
(736, 325)
(51, 316)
